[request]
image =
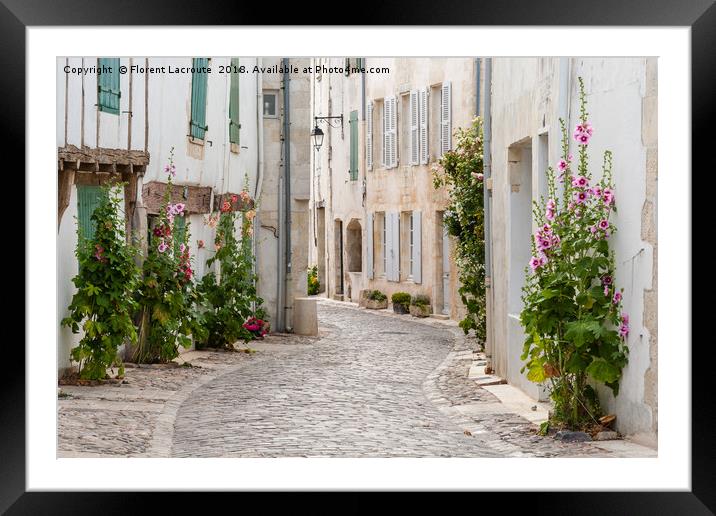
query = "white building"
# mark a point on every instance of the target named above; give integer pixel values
(528, 96)
(124, 122)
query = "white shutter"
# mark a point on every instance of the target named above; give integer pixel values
(369, 246)
(395, 249)
(388, 250)
(417, 266)
(423, 123)
(391, 154)
(384, 151)
(369, 137)
(414, 122)
(445, 119)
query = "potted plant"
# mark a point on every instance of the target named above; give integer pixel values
(376, 300)
(420, 305)
(401, 302)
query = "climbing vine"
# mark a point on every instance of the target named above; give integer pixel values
(572, 312)
(461, 171)
(103, 304)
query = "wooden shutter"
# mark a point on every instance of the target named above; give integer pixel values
(88, 198)
(390, 139)
(384, 152)
(108, 92)
(388, 248)
(394, 132)
(369, 137)
(198, 99)
(370, 267)
(445, 119)
(423, 125)
(414, 127)
(234, 124)
(417, 265)
(396, 246)
(353, 122)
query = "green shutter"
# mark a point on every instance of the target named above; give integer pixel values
(108, 92)
(198, 99)
(88, 198)
(234, 124)
(354, 145)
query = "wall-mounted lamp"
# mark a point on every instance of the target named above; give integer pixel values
(317, 133)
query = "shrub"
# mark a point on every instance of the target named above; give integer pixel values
(231, 300)
(106, 279)
(461, 170)
(377, 295)
(312, 280)
(420, 300)
(401, 298)
(572, 312)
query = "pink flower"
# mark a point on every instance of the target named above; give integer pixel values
(596, 191)
(606, 290)
(580, 182)
(606, 280)
(593, 229)
(580, 197)
(617, 298)
(200, 244)
(608, 196)
(162, 247)
(604, 224)
(549, 215)
(179, 207)
(546, 228)
(535, 263)
(570, 157)
(624, 327)
(182, 248)
(582, 138)
(562, 165)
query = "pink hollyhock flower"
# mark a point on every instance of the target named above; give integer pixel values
(596, 191)
(162, 247)
(617, 298)
(571, 205)
(556, 240)
(582, 138)
(179, 208)
(570, 157)
(580, 197)
(546, 228)
(608, 196)
(606, 290)
(478, 177)
(562, 165)
(200, 244)
(549, 215)
(234, 198)
(580, 182)
(593, 229)
(182, 248)
(604, 224)
(543, 260)
(606, 280)
(535, 263)
(625, 317)
(551, 204)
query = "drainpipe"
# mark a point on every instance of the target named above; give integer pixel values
(487, 193)
(259, 158)
(287, 143)
(478, 62)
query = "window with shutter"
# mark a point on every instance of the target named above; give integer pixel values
(353, 123)
(391, 140)
(445, 121)
(395, 251)
(234, 124)
(384, 152)
(370, 266)
(423, 123)
(369, 137)
(199, 78)
(414, 123)
(88, 198)
(108, 92)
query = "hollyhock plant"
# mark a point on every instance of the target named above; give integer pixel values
(572, 312)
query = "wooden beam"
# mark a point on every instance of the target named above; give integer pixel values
(198, 199)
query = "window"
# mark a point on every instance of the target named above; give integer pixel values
(411, 245)
(404, 121)
(108, 92)
(392, 245)
(390, 136)
(369, 137)
(378, 129)
(88, 198)
(270, 98)
(441, 112)
(353, 122)
(197, 124)
(234, 124)
(385, 244)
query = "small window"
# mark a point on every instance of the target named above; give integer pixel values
(270, 101)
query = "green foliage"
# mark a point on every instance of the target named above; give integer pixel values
(460, 170)
(312, 280)
(103, 305)
(377, 295)
(169, 301)
(420, 300)
(231, 298)
(401, 298)
(572, 310)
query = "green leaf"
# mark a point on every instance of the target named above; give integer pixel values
(603, 371)
(536, 372)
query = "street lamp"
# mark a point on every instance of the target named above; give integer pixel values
(317, 136)
(317, 133)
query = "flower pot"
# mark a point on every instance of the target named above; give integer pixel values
(372, 304)
(400, 309)
(420, 310)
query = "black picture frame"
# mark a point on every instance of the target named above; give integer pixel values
(700, 15)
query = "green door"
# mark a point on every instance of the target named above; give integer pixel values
(88, 198)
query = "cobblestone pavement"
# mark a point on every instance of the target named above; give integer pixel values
(372, 384)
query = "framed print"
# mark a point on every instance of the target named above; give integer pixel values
(282, 267)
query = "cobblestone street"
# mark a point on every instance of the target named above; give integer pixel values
(372, 384)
